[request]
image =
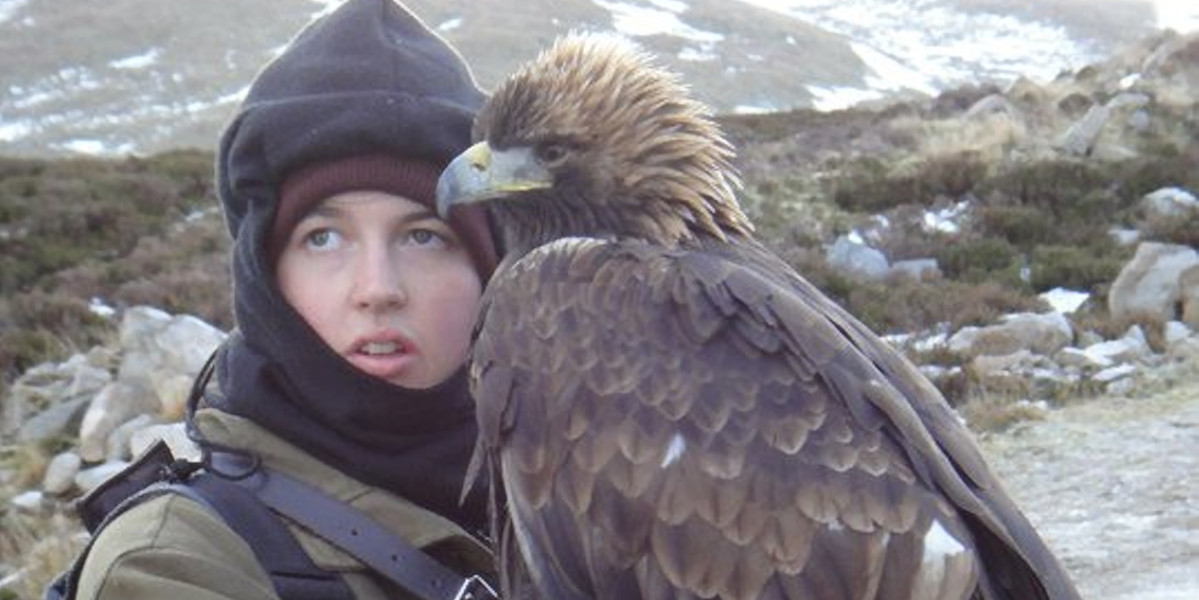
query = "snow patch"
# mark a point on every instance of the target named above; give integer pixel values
(92, 147)
(1065, 301)
(138, 61)
(1180, 15)
(890, 73)
(660, 18)
(450, 25)
(830, 98)
(10, 132)
(98, 307)
(924, 341)
(945, 220)
(930, 45)
(8, 8)
(703, 53)
(748, 109)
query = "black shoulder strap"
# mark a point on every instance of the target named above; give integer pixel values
(347, 528)
(292, 572)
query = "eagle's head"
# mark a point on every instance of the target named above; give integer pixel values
(591, 139)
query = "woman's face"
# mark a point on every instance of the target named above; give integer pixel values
(385, 283)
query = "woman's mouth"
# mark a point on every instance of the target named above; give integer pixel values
(380, 348)
(382, 358)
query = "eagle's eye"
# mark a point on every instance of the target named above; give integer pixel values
(551, 154)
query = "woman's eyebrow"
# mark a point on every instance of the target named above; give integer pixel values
(421, 214)
(326, 209)
(333, 210)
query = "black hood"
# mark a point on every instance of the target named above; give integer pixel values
(368, 78)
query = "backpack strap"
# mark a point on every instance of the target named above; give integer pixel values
(338, 523)
(293, 574)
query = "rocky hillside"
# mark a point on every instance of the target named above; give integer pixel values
(145, 76)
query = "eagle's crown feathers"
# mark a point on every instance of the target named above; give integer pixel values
(647, 145)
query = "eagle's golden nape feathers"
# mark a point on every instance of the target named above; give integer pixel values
(660, 145)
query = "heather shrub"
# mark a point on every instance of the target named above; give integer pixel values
(183, 269)
(1167, 166)
(1021, 226)
(871, 184)
(901, 305)
(1178, 230)
(861, 186)
(1097, 318)
(1083, 219)
(774, 207)
(1073, 267)
(1049, 184)
(40, 326)
(956, 101)
(907, 235)
(73, 230)
(978, 260)
(58, 213)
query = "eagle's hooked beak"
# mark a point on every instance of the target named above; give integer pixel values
(480, 174)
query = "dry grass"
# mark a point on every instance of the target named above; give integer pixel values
(23, 465)
(990, 136)
(35, 545)
(995, 412)
(43, 545)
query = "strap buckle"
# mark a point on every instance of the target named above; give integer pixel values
(476, 588)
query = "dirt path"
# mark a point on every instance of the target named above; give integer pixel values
(1113, 486)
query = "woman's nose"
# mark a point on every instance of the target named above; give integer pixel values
(378, 280)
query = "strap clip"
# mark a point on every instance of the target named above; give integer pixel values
(475, 588)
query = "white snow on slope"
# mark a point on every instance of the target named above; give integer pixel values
(936, 47)
(8, 8)
(1179, 15)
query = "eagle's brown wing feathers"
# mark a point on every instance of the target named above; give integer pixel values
(681, 425)
(1018, 563)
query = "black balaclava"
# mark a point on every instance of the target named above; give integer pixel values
(366, 79)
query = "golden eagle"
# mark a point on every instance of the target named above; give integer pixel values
(672, 410)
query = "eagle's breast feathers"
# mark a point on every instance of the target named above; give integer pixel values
(676, 405)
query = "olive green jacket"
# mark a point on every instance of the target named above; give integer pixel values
(171, 547)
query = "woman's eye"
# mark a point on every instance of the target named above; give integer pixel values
(322, 239)
(426, 237)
